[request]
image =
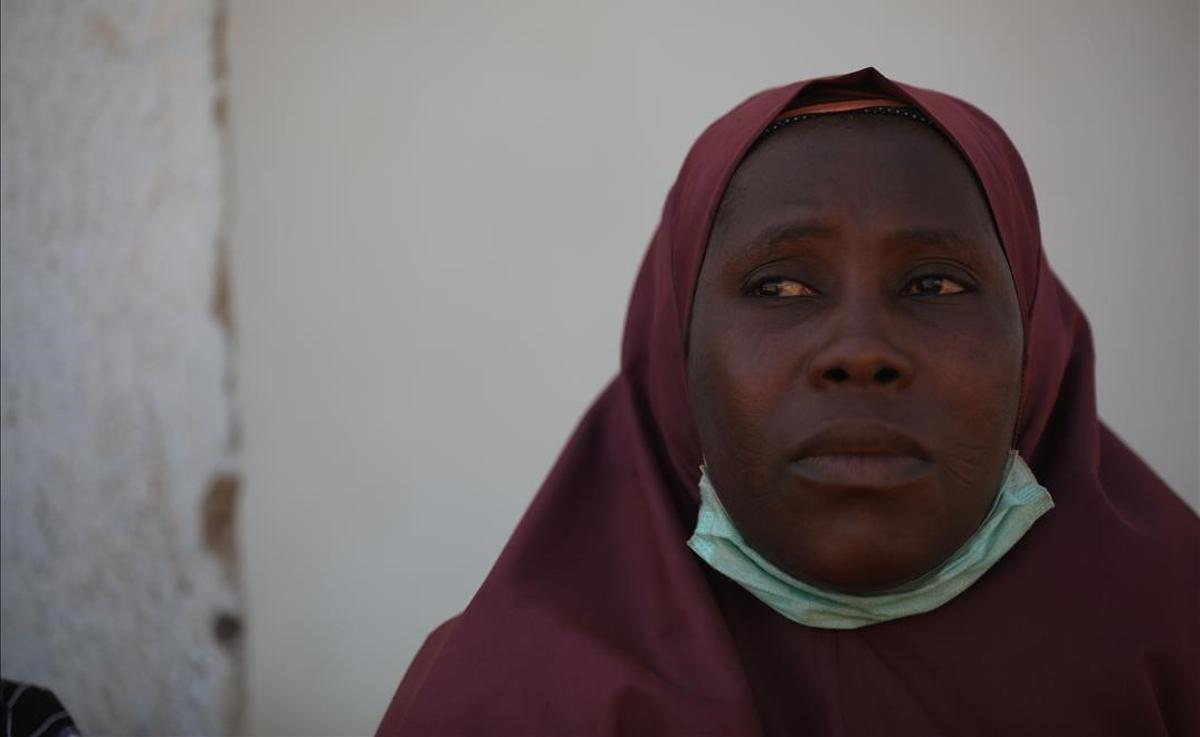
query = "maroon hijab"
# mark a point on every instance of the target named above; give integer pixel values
(597, 618)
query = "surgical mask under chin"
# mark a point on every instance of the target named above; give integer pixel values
(1019, 503)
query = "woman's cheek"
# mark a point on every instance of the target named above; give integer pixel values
(981, 378)
(751, 372)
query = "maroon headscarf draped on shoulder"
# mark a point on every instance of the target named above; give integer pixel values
(597, 618)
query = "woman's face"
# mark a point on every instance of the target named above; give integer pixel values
(855, 351)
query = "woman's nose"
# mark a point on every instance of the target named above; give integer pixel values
(860, 353)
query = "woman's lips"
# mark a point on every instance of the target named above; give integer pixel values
(861, 454)
(862, 469)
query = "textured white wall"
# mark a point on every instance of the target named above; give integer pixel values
(116, 414)
(441, 207)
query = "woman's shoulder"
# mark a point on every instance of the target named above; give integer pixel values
(1141, 497)
(416, 675)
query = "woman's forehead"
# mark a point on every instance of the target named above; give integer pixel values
(890, 171)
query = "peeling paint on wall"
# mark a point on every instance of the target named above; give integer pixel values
(120, 488)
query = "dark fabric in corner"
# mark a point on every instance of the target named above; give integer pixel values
(30, 711)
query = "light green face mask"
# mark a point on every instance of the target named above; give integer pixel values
(1018, 505)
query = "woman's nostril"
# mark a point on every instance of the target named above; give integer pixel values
(886, 375)
(837, 375)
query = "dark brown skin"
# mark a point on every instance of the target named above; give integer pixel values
(854, 352)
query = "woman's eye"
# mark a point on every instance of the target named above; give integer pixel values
(783, 288)
(936, 286)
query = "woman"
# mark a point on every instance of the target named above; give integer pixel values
(850, 479)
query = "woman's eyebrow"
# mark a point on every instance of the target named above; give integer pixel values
(934, 237)
(776, 240)
(769, 241)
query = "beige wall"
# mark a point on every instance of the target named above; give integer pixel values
(118, 587)
(440, 208)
